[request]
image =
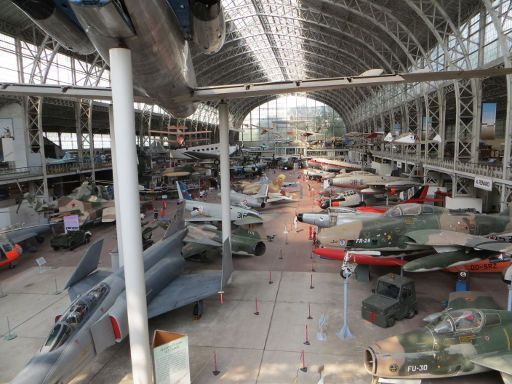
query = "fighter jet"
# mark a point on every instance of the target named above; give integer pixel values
(347, 198)
(318, 174)
(202, 237)
(97, 318)
(442, 238)
(91, 202)
(258, 200)
(203, 211)
(330, 218)
(331, 165)
(370, 184)
(470, 336)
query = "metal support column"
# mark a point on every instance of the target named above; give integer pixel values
(225, 186)
(119, 232)
(128, 193)
(34, 110)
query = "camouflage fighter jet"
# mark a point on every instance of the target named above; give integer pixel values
(471, 336)
(435, 237)
(90, 201)
(200, 238)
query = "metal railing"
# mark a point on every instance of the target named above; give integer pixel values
(10, 172)
(449, 166)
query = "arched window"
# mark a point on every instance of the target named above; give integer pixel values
(291, 119)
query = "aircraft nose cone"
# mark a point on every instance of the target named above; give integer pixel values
(37, 370)
(300, 217)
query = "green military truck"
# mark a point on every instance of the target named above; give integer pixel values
(394, 298)
(70, 240)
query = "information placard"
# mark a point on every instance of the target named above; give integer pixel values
(170, 353)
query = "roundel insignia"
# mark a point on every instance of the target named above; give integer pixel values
(343, 243)
(393, 367)
(487, 337)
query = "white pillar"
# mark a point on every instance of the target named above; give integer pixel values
(128, 203)
(225, 186)
(116, 186)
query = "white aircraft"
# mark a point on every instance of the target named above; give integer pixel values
(203, 211)
(333, 218)
(318, 174)
(200, 152)
(334, 165)
(276, 197)
(253, 201)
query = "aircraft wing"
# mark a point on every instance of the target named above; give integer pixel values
(200, 155)
(438, 237)
(282, 199)
(244, 221)
(22, 234)
(248, 220)
(397, 184)
(471, 299)
(184, 290)
(498, 361)
(197, 235)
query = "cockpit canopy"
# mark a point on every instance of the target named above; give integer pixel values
(75, 315)
(409, 210)
(458, 321)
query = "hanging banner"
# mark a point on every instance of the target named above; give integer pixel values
(483, 183)
(488, 128)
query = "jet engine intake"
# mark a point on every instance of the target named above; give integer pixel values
(51, 19)
(209, 28)
(260, 248)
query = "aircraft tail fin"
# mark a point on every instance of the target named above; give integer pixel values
(183, 193)
(88, 263)
(263, 192)
(177, 224)
(227, 263)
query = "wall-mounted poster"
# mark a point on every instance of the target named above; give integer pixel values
(487, 131)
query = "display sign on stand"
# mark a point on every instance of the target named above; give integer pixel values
(71, 223)
(170, 353)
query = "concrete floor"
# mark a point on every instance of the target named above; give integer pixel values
(251, 348)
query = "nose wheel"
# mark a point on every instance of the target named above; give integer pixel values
(198, 309)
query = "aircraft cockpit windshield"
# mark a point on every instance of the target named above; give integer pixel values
(59, 334)
(459, 321)
(404, 210)
(466, 319)
(76, 314)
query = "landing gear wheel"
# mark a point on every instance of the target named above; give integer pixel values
(198, 309)
(55, 248)
(411, 313)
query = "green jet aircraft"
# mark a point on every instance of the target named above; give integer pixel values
(202, 237)
(435, 238)
(472, 335)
